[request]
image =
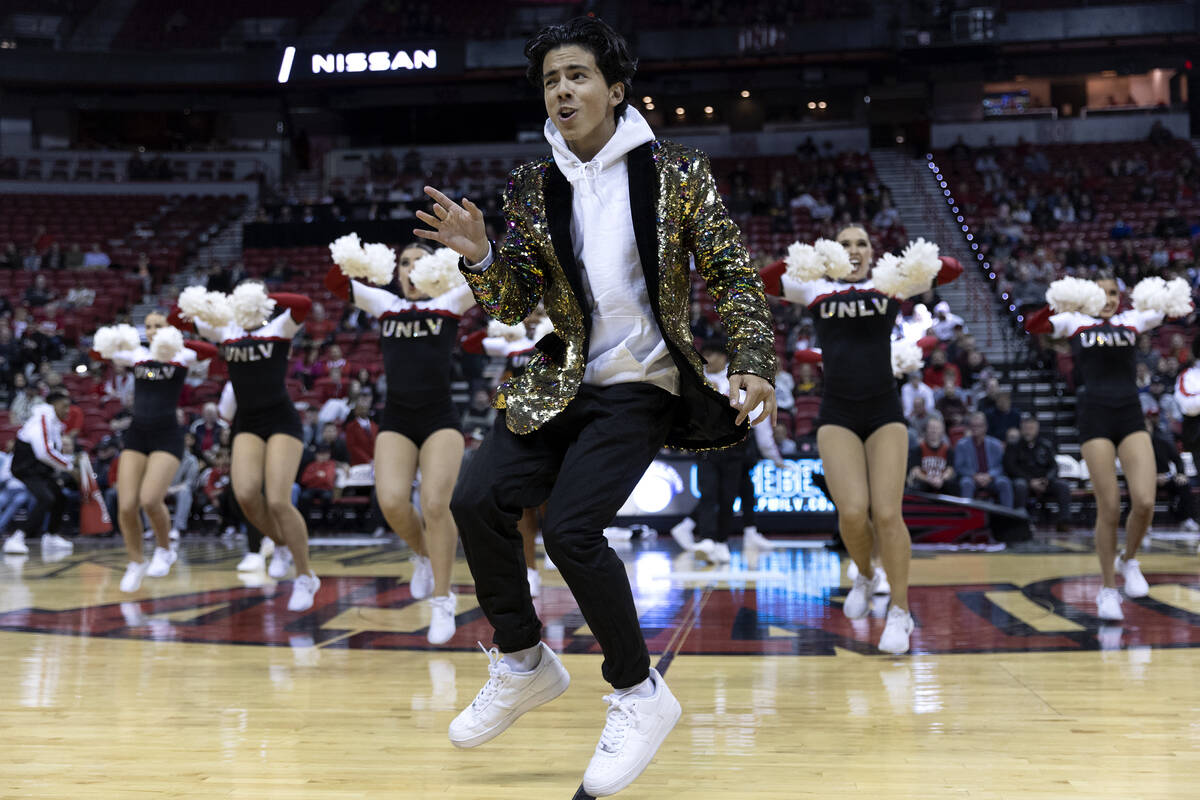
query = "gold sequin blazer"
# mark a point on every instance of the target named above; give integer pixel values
(677, 215)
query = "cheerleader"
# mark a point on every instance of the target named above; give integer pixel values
(419, 427)
(861, 431)
(153, 445)
(1108, 412)
(267, 439)
(1187, 396)
(517, 344)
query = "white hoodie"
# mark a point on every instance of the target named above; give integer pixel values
(43, 432)
(626, 344)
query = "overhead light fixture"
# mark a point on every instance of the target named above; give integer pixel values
(708, 109)
(649, 106)
(647, 99)
(812, 104)
(821, 104)
(745, 94)
(679, 111)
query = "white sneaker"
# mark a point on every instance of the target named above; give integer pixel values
(720, 553)
(303, 590)
(896, 632)
(883, 587)
(252, 562)
(15, 545)
(535, 581)
(266, 549)
(683, 533)
(1108, 605)
(851, 569)
(1190, 524)
(281, 563)
(52, 541)
(752, 538)
(173, 534)
(1135, 581)
(704, 548)
(506, 696)
(858, 601)
(131, 581)
(421, 583)
(633, 732)
(442, 627)
(160, 564)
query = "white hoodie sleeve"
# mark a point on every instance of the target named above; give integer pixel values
(42, 432)
(764, 437)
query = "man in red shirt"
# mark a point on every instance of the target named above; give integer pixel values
(317, 482)
(929, 468)
(360, 432)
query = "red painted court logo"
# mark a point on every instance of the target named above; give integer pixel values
(380, 614)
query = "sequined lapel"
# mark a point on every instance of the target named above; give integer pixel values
(558, 214)
(643, 190)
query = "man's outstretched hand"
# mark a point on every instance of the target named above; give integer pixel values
(758, 390)
(459, 227)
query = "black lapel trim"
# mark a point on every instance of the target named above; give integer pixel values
(558, 214)
(643, 193)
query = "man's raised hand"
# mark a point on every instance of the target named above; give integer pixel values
(459, 227)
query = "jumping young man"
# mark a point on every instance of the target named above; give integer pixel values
(602, 231)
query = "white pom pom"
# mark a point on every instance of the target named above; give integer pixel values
(497, 329)
(167, 343)
(835, 258)
(113, 339)
(906, 357)
(211, 308)
(543, 328)
(381, 264)
(1172, 299)
(437, 273)
(1187, 391)
(886, 275)
(921, 261)
(251, 305)
(192, 301)
(803, 263)
(348, 253)
(1076, 294)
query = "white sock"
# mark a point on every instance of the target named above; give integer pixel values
(643, 689)
(524, 660)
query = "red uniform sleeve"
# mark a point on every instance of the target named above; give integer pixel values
(807, 357)
(175, 320)
(1039, 321)
(203, 350)
(951, 269)
(337, 282)
(474, 342)
(298, 304)
(771, 274)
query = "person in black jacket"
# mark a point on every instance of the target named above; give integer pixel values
(1171, 476)
(1030, 462)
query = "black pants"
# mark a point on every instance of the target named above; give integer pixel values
(750, 459)
(1057, 489)
(315, 498)
(231, 514)
(583, 464)
(49, 500)
(1179, 500)
(721, 474)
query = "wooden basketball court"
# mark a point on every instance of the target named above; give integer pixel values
(202, 686)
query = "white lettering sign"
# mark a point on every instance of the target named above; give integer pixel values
(377, 61)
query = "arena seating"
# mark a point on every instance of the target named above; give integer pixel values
(184, 25)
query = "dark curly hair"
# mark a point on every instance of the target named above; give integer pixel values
(611, 51)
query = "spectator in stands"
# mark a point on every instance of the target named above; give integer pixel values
(361, 431)
(333, 358)
(1120, 230)
(785, 385)
(32, 262)
(14, 497)
(26, 396)
(808, 381)
(96, 258)
(310, 427)
(317, 482)
(914, 387)
(938, 369)
(10, 257)
(39, 293)
(945, 323)
(950, 402)
(1030, 462)
(920, 416)
(307, 366)
(1028, 290)
(183, 487)
(74, 258)
(8, 359)
(331, 438)
(783, 442)
(53, 257)
(1161, 400)
(207, 432)
(1002, 417)
(318, 325)
(979, 462)
(929, 467)
(332, 386)
(1172, 477)
(119, 386)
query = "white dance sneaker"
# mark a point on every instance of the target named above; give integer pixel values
(252, 562)
(752, 538)
(442, 626)
(1190, 524)
(883, 586)
(131, 581)
(160, 564)
(281, 563)
(421, 584)
(858, 602)
(896, 632)
(683, 533)
(1135, 581)
(1108, 605)
(507, 695)
(52, 541)
(535, 581)
(713, 552)
(15, 545)
(303, 590)
(634, 730)
(173, 534)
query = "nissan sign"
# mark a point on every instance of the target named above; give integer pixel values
(321, 64)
